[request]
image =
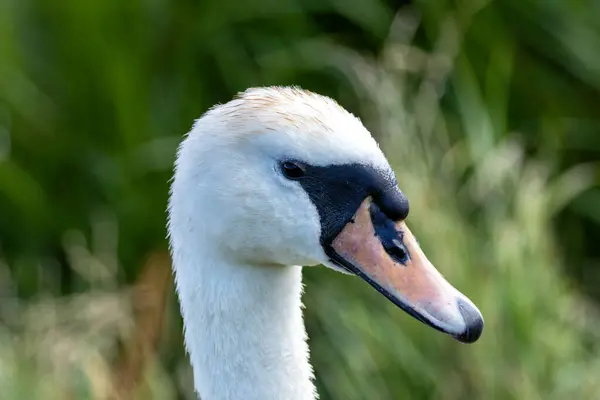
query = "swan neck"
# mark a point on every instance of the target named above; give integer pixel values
(244, 330)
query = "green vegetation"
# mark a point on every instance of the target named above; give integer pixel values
(487, 110)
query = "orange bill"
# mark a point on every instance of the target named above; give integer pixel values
(386, 254)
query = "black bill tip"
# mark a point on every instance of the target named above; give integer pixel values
(473, 322)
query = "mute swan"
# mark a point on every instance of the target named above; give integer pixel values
(276, 179)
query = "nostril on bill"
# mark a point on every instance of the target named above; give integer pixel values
(391, 239)
(473, 322)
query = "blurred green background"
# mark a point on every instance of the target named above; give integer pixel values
(488, 110)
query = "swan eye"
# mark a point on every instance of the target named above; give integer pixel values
(291, 170)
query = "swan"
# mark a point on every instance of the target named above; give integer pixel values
(273, 180)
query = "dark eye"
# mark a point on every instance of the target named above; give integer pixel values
(291, 170)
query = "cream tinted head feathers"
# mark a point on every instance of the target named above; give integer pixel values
(312, 126)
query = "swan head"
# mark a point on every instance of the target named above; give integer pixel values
(281, 176)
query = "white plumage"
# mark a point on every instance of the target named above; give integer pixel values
(240, 231)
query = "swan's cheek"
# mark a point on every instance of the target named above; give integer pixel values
(282, 229)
